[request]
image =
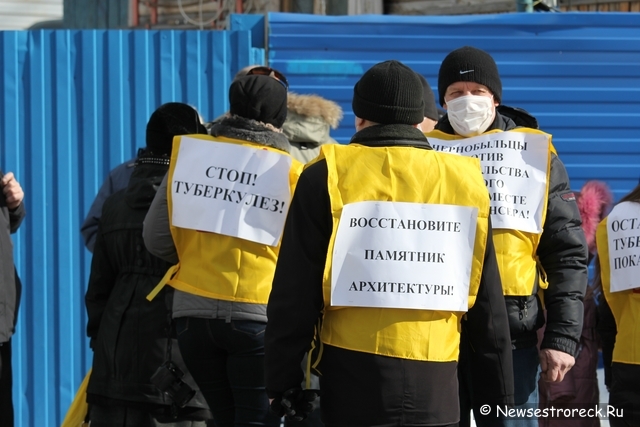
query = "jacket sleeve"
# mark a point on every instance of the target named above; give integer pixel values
(563, 255)
(487, 329)
(296, 299)
(117, 180)
(16, 216)
(157, 229)
(101, 281)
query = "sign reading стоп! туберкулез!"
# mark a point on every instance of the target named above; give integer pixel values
(403, 255)
(514, 166)
(623, 238)
(231, 189)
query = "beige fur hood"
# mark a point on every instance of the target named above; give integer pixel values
(310, 118)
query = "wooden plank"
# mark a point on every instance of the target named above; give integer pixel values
(635, 7)
(624, 7)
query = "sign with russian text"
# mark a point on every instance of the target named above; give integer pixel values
(623, 236)
(403, 255)
(231, 189)
(514, 166)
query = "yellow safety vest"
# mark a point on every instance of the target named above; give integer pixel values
(516, 250)
(625, 306)
(401, 174)
(222, 267)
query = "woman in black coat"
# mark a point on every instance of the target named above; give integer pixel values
(131, 337)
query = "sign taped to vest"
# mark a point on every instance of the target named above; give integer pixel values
(514, 166)
(231, 189)
(403, 255)
(623, 237)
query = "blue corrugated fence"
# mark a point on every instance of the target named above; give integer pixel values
(75, 105)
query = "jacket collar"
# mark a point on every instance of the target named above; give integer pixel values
(143, 184)
(250, 130)
(391, 136)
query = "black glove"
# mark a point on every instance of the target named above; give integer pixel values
(295, 403)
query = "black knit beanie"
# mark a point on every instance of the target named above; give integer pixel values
(389, 92)
(260, 98)
(169, 120)
(430, 107)
(469, 64)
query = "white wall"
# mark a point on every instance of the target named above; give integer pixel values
(21, 14)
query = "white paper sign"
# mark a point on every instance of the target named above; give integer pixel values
(623, 235)
(403, 255)
(514, 166)
(231, 189)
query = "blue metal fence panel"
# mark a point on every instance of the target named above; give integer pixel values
(75, 105)
(578, 73)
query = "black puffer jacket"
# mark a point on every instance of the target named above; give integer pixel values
(562, 253)
(129, 334)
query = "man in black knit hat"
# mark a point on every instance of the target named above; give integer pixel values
(359, 266)
(548, 259)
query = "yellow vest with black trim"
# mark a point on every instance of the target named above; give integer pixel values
(223, 267)
(625, 306)
(516, 250)
(401, 174)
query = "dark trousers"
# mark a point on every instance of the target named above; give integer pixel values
(526, 372)
(362, 389)
(227, 362)
(624, 396)
(6, 384)
(122, 416)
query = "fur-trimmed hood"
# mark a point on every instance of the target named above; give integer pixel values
(309, 119)
(237, 127)
(594, 202)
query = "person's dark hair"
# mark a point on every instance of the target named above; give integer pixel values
(632, 196)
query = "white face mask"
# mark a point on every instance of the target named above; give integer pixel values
(470, 115)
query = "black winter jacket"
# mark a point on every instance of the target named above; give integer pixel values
(10, 286)
(562, 253)
(129, 334)
(296, 303)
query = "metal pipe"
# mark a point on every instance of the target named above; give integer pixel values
(135, 13)
(154, 12)
(524, 5)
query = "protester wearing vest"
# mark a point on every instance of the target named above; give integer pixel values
(129, 335)
(548, 263)
(619, 310)
(223, 281)
(384, 363)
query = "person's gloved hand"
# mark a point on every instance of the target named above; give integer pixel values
(295, 403)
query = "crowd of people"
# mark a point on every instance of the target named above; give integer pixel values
(251, 270)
